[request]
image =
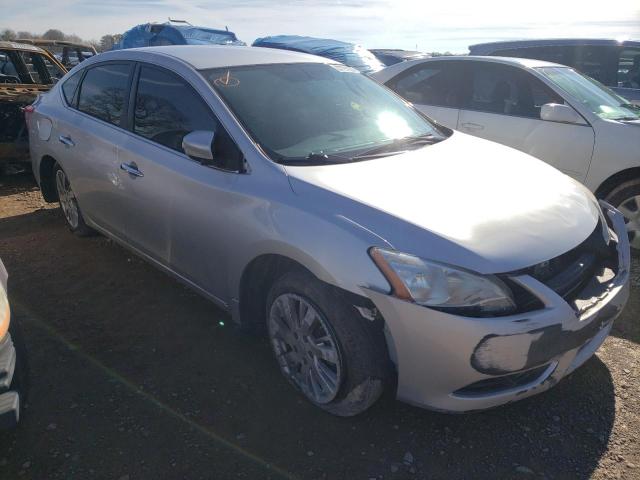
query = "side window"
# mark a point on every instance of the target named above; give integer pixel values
(8, 71)
(103, 93)
(70, 86)
(30, 60)
(629, 68)
(434, 83)
(167, 108)
(507, 90)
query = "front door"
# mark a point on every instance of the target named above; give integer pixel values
(504, 105)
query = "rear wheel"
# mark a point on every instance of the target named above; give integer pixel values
(69, 204)
(324, 347)
(626, 198)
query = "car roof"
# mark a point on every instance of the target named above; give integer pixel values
(217, 56)
(520, 62)
(490, 47)
(53, 43)
(20, 46)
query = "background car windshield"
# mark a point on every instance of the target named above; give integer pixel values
(598, 98)
(294, 110)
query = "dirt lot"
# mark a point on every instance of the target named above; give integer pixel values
(135, 377)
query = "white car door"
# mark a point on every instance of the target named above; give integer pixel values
(503, 105)
(432, 87)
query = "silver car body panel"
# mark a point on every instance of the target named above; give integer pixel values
(205, 226)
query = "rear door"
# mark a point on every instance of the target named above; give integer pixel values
(504, 106)
(434, 88)
(88, 137)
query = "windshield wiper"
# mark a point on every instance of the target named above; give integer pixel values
(399, 145)
(316, 158)
(630, 106)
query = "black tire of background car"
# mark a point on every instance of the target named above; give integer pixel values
(365, 361)
(621, 193)
(82, 230)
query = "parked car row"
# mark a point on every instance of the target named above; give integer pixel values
(377, 248)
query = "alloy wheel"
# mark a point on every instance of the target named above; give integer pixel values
(630, 208)
(306, 347)
(67, 199)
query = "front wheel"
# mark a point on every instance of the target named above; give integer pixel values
(324, 347)
(69, 204)
(626, 198)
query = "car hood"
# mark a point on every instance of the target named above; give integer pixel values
(464, 201)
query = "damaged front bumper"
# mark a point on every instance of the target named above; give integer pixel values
(454, 363)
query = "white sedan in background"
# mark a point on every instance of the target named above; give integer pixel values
(547, 110)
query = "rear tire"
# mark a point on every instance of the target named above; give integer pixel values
(339, 362)
(626, 198)
(69, 204)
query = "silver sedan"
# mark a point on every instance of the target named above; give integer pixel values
(376, 248)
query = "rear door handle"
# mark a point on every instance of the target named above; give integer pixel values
(472, 126)
(131, 169)
(66, 141)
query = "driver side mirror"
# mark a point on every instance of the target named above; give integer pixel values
(556, 112)
(197, 145)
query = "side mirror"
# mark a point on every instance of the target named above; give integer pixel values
(556, 112)
(197, 145)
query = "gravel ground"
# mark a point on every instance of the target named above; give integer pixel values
(135, 377)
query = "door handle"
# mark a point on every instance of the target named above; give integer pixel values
(131, 169)
(472, 126)
(66, 141)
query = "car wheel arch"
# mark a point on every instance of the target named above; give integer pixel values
(47, 181)
(615, 180)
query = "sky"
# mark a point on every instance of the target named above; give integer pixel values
(411, 24)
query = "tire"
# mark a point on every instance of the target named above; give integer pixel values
(626, 198)
(361, 363)
(69, 204)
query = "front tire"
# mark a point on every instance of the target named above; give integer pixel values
(626, 198)
(69, 204)
(324, 348)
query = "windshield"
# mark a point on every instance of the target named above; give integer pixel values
(599, 99)
(299, 111)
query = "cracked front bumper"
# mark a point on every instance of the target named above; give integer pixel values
(453, 363)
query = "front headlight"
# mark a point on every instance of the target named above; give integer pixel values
(443, 287)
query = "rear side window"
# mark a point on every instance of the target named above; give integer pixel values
(8, 70)
(430, 84)
(167, 108)
(507, 90)
(70, 86)
(103, 93)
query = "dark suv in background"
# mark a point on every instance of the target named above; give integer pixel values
(613, 63)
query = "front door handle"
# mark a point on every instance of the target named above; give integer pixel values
(66, 141)
(131, 169)
(472, 126)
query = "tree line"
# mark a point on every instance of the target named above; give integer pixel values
(105, 43)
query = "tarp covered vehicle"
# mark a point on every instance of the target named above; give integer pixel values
(350, 54)
(68, 53)
(25, 72)
(155, 34)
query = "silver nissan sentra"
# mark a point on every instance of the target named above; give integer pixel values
(377, 249)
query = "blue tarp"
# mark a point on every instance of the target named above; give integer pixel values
(352, 55)
(153, 34)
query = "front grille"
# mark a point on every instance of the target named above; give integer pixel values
(499, 384)
(568, 274)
